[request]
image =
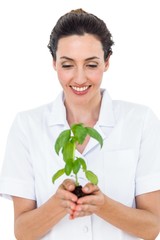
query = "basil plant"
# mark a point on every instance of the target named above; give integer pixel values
(66, 143)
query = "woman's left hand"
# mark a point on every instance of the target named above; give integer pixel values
(89, 204)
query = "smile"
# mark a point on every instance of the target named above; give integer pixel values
(80, 89)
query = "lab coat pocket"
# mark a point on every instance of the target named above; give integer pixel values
(119, 175)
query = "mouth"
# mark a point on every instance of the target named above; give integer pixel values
(80, 90)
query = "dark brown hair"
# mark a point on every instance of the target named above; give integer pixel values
(79, 22)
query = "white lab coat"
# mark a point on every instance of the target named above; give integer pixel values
(128, 164)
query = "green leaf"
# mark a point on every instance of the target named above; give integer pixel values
(76, 166)
(68, 151)
(83, 163)
(58, 174)
(68, 168)
(79, 132)
(62, 139)
(95, 134)
(91, 177)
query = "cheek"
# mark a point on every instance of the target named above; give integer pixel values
(95, 76)
(63, 76)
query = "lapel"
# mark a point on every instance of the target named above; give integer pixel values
(57, 118)
(106, 120)
(57, 115)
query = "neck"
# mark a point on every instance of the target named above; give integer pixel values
(87, 114)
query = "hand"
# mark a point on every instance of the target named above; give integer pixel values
(89, 204)
(66, 198)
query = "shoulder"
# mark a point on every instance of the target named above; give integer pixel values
(44, 113)
(131, 110)
(124, 109)
(35, 114)
(32, 119)
(136, 116)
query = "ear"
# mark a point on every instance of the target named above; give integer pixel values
(54, 65)
(107, 64)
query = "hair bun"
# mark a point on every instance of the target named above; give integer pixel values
(78, 11)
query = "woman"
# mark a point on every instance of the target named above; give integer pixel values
(125, 204)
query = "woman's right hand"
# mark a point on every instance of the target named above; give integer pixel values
(66, 198)
(32, 222)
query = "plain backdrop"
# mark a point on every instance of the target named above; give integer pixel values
(28, 80)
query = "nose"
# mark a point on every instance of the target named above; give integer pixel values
(80, 76)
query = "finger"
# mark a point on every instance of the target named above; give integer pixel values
(68, 204)
(66, 195)
(68, 207)
(81, 214)
(90, 188)
(68, 184)
(97, 198)
(90, 200)
(85, 208)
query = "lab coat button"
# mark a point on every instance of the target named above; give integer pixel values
(85, 229)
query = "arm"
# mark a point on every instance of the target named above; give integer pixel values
(143, 222)
(32, 223)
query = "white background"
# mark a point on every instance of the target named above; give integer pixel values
(27, 79)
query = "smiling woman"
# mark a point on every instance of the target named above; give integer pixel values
(125, 203)
(80, 66)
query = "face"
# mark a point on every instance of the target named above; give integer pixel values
(80, 66)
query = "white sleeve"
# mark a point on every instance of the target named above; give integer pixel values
(17, 178)
(148, 169)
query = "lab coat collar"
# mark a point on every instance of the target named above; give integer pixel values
(57, 115)
(106, 117)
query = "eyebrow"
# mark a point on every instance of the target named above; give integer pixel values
(87, 59)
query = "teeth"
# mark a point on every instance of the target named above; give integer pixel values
(80, 89)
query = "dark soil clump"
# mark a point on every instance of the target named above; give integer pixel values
(78, 192)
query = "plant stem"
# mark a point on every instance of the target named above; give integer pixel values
(76, 177)
(74, 148)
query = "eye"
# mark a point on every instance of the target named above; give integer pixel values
(92, 65)
(67, 66)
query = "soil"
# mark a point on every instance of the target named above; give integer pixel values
(78, 192)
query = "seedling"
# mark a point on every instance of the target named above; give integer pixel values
(66, 143)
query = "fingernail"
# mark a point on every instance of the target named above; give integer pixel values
(73, 207)
(86, 189)
(70, 187)
(71, 217)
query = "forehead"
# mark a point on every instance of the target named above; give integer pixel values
(79, 46)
